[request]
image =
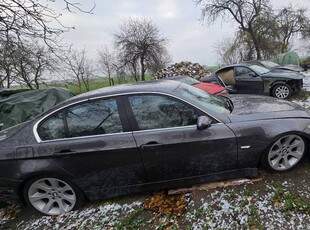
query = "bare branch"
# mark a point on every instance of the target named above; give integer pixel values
(29, 19)
(140, 44)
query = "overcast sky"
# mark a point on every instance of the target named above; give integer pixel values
(178, 20)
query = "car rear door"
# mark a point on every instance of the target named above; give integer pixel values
(171, 147)
(247, 81)
(93, 143)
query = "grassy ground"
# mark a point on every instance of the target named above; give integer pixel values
(95, 83)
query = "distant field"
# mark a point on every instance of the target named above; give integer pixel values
(95, 83)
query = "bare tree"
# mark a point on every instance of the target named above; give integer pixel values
(291, 23)
(6, 64)
(24, 63)
(140, 42)
(29, 19)
(79, 68)
(229, 51)
(260, 29)
(244, 12)
(107, 62)
(160, 62)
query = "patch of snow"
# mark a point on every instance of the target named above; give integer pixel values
(238, 211)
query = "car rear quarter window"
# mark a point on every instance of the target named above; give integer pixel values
(52, 128)
(94, 117)
(155, 112)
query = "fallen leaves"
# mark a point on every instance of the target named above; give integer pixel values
(166, 204)
(9, 213)
(277, 203)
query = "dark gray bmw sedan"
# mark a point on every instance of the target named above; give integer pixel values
(147, 136)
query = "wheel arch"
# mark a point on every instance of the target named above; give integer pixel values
(276, 83)
(289, 82)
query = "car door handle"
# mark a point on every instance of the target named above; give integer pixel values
(151, 145)
(64, 152)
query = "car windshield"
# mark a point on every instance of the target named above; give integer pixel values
(259, 69)
(187, 80)
(203, 98)
(270, 64)
(10, 131)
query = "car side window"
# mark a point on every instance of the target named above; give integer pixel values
(155, 112)
(93, 118)
(241, 71)
(89, 118)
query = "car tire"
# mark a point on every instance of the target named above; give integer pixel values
(285, 153)
(281, 90)
(52, 196)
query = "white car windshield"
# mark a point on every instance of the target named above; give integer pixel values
(205, 99)
(259, 69)
(270, 64)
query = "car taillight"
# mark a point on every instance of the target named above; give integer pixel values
(223, 92)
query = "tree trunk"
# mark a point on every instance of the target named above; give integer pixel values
(37, 83)
(256, 43)
(29, 85)
(8, 83)
(142, 68)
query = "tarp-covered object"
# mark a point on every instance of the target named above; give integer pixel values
(289, 58)
(18, 107)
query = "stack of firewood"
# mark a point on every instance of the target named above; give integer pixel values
(183, 68)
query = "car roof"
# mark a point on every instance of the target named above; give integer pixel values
(165, 86)
(235, 65)
(177, 77)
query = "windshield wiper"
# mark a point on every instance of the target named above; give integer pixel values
(229, 103)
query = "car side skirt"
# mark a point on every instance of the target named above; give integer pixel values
(178, 183)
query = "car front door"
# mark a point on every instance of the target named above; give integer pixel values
(90, 140)
(171, 146)
(247, 81)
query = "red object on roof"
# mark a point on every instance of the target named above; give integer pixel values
(211, 88)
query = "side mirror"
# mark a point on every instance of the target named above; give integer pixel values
(203, 122)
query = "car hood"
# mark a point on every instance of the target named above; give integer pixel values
(256, 107)
(283, 74)
(295, 68)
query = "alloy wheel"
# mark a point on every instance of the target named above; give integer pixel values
(282, 91)
(286, 152)
(51, 196)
